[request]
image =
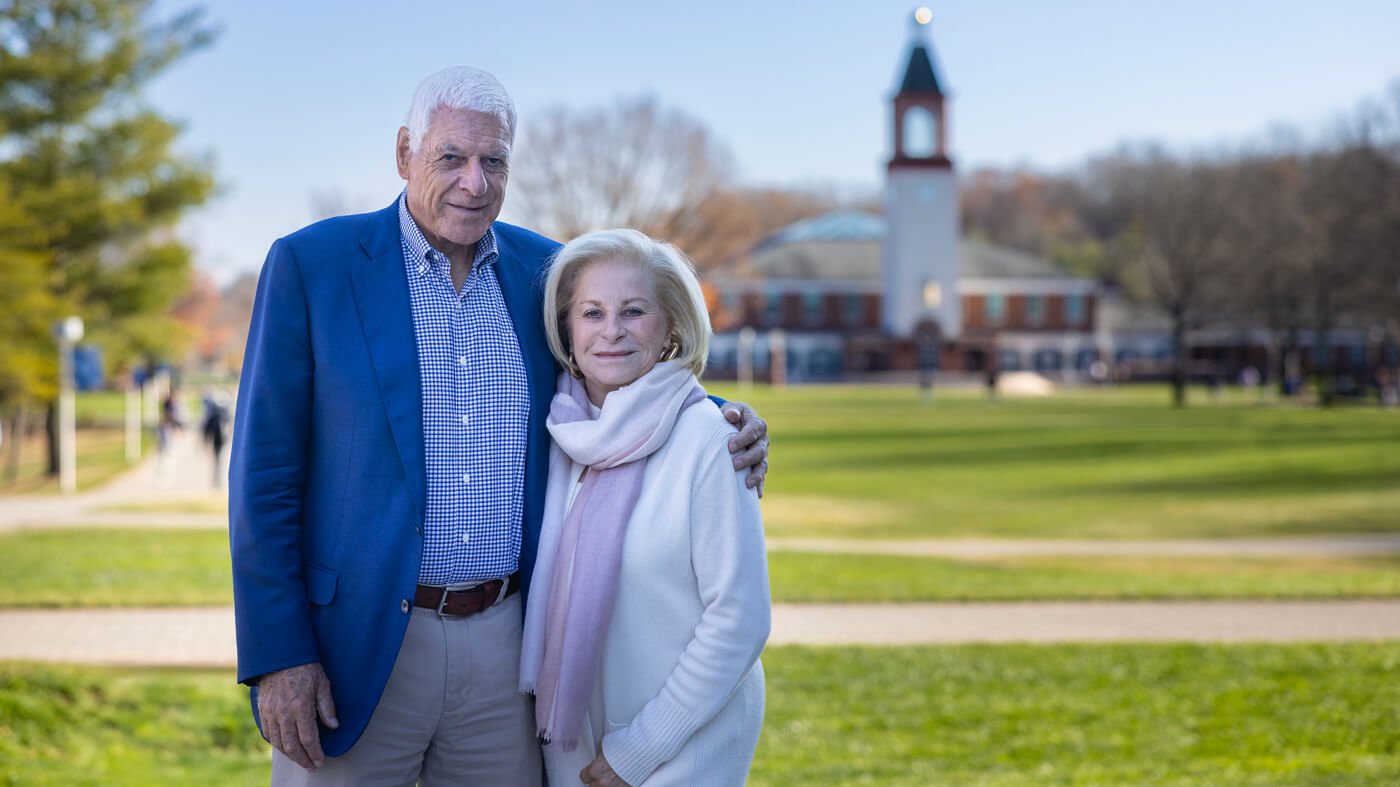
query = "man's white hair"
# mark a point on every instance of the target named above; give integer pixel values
(459, 87)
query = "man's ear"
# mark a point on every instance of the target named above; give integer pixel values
(402, 153)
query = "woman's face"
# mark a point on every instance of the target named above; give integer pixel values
(615, 325)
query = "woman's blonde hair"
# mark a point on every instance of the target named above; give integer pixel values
(677, 290)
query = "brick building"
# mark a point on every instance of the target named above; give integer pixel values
(855, 294)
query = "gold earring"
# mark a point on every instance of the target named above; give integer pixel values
(573, 367)
(672, 349)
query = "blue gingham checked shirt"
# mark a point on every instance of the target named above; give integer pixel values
(476, 404)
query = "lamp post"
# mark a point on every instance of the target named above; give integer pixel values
(777, 358)
(68, 332)
(747, 336)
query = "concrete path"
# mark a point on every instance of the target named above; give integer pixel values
(203, 637)
(183, 477)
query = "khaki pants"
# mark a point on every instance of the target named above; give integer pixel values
(450, 715)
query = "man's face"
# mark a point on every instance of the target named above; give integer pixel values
(457, 177)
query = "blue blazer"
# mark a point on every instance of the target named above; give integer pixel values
(327, 480)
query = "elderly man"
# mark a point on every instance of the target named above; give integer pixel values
(388, 469)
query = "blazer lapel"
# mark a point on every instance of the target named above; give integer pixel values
(522, 292)
(381, 296)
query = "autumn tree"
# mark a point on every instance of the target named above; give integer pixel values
(91, 183)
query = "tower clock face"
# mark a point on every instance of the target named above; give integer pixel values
(919, 130)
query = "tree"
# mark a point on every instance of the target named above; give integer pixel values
(1181, 226)
(1272, 241)
(90, 180)
(26, 366)
(1353, 198)
(632, 164)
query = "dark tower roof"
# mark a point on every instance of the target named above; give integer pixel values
(919, 76)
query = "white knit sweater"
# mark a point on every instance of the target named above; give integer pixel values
(680, 692)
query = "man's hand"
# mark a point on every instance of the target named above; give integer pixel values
(600, 774)
(750, 447)
(288, 703)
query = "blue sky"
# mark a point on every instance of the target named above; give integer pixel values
(303, 98)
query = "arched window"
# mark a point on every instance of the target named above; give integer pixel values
(919, 130)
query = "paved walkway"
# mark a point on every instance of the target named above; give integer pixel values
(183, 478)
(203, 637)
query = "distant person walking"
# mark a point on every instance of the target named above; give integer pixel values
(171, 421)
(215, 431)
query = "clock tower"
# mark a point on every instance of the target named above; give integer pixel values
(921, 204)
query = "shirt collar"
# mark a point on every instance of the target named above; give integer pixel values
(425, 255)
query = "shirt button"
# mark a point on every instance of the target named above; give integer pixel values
(466, 478)
(462, 361)
(466, 419)
(466, 538)
(403, 605)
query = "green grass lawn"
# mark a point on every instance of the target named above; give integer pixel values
(212, 503)
(89, 726)
(191, 568)
(114, 568)
(100, 408)
(812, 577)
(101, 457)
(1083, 714)
(1112, 463)
(970, 715)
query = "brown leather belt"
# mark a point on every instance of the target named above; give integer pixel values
(461, 603)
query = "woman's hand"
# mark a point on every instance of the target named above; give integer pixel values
(600, 774)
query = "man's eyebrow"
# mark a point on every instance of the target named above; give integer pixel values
(457, 150)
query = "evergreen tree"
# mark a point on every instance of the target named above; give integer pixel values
(90, 185)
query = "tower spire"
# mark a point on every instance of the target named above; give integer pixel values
(920, 75)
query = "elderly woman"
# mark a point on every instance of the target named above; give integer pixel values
(649, 602)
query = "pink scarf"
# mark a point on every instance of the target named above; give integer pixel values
(580, 553)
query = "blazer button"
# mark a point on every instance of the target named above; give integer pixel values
(403, 605)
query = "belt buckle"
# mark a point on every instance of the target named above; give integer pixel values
(442, 602)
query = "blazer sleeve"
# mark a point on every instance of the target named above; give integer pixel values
(267, 475)
(731, 570)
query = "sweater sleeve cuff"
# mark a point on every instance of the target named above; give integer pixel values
(654, 736)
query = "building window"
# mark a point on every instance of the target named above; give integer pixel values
(1048, 360)
(723, 359)
(1009, 361)
(812, 303)
(773, 308)
(1074, 309)
(1035, 310)
(1085, 358)
(824, 363)
(855, 309)
(733, 305)
(995, 306)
